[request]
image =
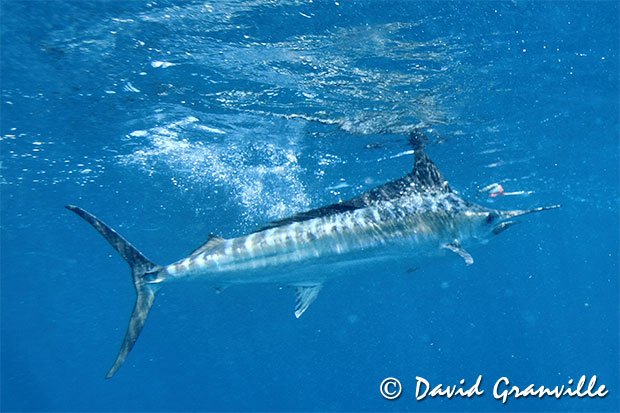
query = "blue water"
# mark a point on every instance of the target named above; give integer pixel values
(172, 120)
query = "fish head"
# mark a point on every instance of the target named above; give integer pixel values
(482, 224)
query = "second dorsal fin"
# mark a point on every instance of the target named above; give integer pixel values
(212, 241)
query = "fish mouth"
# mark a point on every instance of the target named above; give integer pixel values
(517, 213)
(503, 226)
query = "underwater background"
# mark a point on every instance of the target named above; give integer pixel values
(172, 120)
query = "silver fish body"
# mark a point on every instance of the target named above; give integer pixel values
(402, 234)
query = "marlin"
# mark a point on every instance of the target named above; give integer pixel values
(392, 228)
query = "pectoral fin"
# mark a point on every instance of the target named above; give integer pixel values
(305, 295)
(456, 247)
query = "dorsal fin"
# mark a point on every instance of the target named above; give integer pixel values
(425, 174)
(212, 241)
(424, 177)
(349, 205)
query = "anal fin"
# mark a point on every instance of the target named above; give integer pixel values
(305, 295)
(456, 248)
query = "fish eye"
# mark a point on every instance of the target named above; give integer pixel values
(491, 217)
